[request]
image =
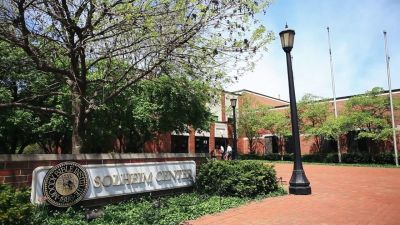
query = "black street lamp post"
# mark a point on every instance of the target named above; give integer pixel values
(299, 184)
(234, 153)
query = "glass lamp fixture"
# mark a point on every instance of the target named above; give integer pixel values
(287, 39)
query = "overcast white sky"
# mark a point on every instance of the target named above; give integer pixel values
(357, 46)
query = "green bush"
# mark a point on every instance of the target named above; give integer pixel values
(383, 158)
(236, 178)
(355, 157)
(331, 158)
(251, 157)
(272, 156)
(268, 156)
(278, 157)
(288, 157)
(312, 158)
(359, 157)
(33, 149)
(352, 157)
(15, 207)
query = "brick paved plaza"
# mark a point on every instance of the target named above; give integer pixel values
(341, 195)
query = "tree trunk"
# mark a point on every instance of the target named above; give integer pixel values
(78, 112)
(280, 147)
(318, 143)
(251, 143)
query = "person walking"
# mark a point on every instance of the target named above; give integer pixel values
(229, 152)
(222, 150)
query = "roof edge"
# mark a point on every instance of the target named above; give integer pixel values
(267, 96)
(345, 97)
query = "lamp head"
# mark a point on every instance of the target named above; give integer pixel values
(233, 102)
(287, 39)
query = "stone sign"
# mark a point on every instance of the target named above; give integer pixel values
(64, 184)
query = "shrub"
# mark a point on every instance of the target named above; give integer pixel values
(15, 207)
(272, 156)
(313, 158)
(383, 158)
(331, 158)
(288, 157)
(355, 157)
(352, 157)
(236, 178)
(33, 149)
(251, 157)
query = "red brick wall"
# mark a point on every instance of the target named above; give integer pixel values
(160, 144)
(262, 100)
(192, 141)
(211, 140)
(223, 109)
(17, 170)
(306, 145)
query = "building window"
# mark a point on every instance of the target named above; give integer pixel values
(271, 144)
(289, 145)
(201, 145)
(179, 144)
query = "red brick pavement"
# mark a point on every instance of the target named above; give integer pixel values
(340, 195)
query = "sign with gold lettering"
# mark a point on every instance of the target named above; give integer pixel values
(112, 179)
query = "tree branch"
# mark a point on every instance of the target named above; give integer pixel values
(34, 108)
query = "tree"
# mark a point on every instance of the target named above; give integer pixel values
(157, 106)
(278, 123)
(163, 104)
(250, 121)
(368, 113)
(333, 127)
(19, 82)
(99, 49)
(313, 113)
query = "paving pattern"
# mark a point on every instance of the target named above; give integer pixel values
(340, 195)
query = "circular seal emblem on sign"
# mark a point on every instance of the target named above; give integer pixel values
(65, 184)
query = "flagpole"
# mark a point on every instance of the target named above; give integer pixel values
(391, 100)
(334, 93)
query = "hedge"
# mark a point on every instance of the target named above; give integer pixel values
(352, 157)
(269, 156)
(236, 178)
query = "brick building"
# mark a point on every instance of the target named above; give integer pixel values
(347, 142)
(221, 132)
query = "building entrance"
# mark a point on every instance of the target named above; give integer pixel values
(201, 145)
(179, 144)
(221, 141)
